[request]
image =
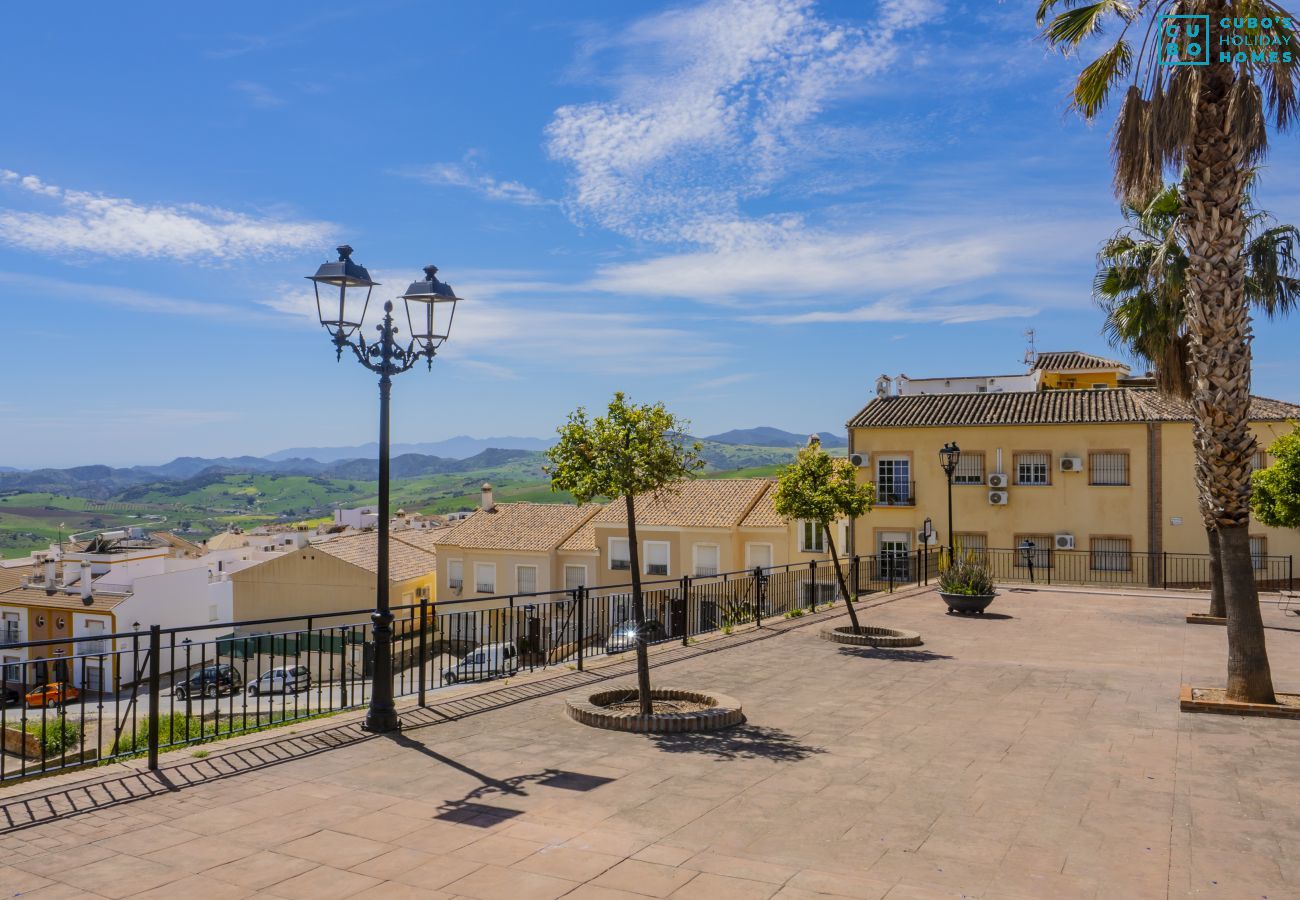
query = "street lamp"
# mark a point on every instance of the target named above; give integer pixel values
(430, 306)
(949, 456)
(1027, 553)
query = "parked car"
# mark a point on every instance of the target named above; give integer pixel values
(56, 693)
(623, 637)
(284, 680)
(210, 681)
(489, 661)
(10, 697)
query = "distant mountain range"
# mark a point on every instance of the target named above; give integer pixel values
(460, 447)
(764, 436)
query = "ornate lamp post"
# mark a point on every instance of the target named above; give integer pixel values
(949, 456)
(430, 306)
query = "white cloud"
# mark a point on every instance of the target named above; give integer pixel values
(258, 95)
(466, 175)
(901, 311)
(713, 101)
(115, 226)
(723, 381)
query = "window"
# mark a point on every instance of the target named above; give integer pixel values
(970, 468)
(1110, 554)
(707, 559)
(758, 555)
(485, 578)
(9, 632)
(894, 481)
(526, 579)
(212, 612)
(13, 669)
(894, 555)
(1108, 467)
(455, 574)
(969, 543)
(656, 557)
(1259, 460)
(619, 555)
(1033, 468)
(575, 577)
(1100, 387)
(94, 631)
(1259, 551)
(1040, 555)
(812, 539)
(1067, 384)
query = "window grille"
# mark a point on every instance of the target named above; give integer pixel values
(970, 468)
(1111, 555)
(1259, 551)
(1033, 468)
(1108, 468)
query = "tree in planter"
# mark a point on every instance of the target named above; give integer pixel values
(819, 488)
(632, 449)
(1276, 494)
(1213, 122)
(1141, 283)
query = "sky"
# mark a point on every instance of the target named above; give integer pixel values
(748, 209)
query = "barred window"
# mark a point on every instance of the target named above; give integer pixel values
(485, 578)
(812, 537)
(1033, 468)
(1259, 460)
(1108, 467)
(1040, 554)
(970, 468)
(1111, 555)
(968, 543)
(620, 555)
(1259, 551)
(455, 574)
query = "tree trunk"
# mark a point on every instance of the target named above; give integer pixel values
(1249, 677)
(1218, 325)
(1217, 607)
(839, 576)
(638, 614)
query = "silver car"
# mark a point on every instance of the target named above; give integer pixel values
(284, 680)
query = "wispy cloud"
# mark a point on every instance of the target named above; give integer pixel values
(115, 226)
(901, 311)
(724, 381)
(133, 299)
(258, 95)
(466, 175)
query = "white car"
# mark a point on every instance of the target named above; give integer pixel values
(284, 680)
(490, 661)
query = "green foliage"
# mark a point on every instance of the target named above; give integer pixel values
(794, 613)
(632, 449)
(57, 735)
(964, 575)
(1275, 491)
(819, 488)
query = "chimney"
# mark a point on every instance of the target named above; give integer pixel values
(487, 502)
(86, 579)
(51, 575)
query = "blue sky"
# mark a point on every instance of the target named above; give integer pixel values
(748, 210)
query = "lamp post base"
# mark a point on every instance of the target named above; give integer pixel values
(381, 721)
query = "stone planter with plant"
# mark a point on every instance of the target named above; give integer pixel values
(965, 585)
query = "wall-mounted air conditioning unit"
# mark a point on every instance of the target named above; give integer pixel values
(1064, 542)
(1071, 464)
(921, 538)
(861, 460)
(997, 480)
(998, 498)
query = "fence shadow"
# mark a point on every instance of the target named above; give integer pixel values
(740, 742)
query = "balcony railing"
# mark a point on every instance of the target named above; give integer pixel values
(896, 493)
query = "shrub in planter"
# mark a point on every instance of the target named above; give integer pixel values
(965, 575)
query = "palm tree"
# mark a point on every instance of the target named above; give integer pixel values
(1212, 121)
(1141, 283)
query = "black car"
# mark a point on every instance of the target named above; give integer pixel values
(210, 682)
(623, 637)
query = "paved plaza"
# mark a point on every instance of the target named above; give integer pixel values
(1036, 752)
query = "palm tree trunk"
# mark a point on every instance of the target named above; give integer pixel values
(1218, 324)
(1216, 573)
(638, 614)
(839, 575)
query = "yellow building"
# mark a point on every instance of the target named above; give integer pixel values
(1107, 471)
(1067, 370)
(335, 575)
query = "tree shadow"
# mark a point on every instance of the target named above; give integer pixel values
(742, 741)
(895, 654)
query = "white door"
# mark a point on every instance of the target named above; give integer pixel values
(895, 555)
(94, 677)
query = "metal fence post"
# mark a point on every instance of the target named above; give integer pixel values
(579, 599)
(918, 566)
(760, 583)
(686, 608)
(1164, 569)
(155, 688)
(1049, 565)
(812, 585)
(1290, 570)
(855, 570)
(424, 644)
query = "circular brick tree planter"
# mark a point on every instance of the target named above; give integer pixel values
(872, 636)
(720, 711)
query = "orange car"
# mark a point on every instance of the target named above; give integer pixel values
(56, 693)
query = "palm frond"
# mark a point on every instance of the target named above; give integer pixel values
(1092, 89)
(1074, 26)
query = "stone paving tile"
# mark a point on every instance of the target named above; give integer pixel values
(1037, 755)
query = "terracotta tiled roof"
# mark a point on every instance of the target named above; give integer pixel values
(1074, 361)
(763, 515)
(1044, 408)
(584, 539)
(187, 547)
(404, 560)
(518, 526)
(701, 503)
(12, 577)
(227, 540)
(419, 538)
(38, 596)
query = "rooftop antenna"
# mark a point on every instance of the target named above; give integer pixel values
(1031, 354)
